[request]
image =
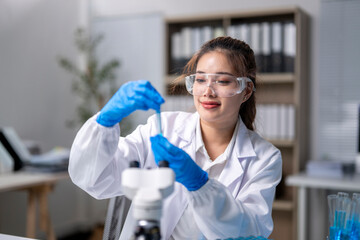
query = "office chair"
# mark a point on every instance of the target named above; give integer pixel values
(116, 214)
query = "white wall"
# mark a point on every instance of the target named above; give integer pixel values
(35, 95)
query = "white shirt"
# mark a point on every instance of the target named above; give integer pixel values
(237, 204)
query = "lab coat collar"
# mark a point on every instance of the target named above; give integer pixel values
(243, 148)
(186, 126)
(242, 151)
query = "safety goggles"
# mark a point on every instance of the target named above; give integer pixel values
(221, 85)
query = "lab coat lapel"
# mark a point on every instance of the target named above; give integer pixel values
(242, 152)
(185, 129)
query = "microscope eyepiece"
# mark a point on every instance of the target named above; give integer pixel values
(134, 164)
(163, 164)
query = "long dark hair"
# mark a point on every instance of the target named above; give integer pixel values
(242, 59)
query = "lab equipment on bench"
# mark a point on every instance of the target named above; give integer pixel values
(344, 216)
(147, 188)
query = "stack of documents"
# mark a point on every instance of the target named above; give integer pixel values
(53, 161)
(324, 168)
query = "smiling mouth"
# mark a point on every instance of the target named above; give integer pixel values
(210, 105)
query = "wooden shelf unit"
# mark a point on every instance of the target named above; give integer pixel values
(283, 205)
(273, 88)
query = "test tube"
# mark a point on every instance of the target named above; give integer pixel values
(332, 201)
(351, 217)
(344, 216)
(332, 207)
(158, 114)
(342, 209)
(356, 216)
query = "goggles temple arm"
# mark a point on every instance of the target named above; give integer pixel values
(247, 80)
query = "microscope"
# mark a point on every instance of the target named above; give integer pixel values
(147, 188)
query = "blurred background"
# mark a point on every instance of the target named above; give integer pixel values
(37, 96)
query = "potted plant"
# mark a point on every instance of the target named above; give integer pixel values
(95, 83)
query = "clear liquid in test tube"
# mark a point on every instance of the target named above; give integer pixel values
(158, 114)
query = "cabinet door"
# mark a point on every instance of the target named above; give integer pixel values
(137, 41)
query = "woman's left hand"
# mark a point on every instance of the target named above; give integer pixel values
(186, 170)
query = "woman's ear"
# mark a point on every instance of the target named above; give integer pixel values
(248, 91)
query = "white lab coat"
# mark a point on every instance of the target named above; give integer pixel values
(238, 204)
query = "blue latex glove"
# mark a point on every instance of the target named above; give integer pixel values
(132, 96)
(186, 170)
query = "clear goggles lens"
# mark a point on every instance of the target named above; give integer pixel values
(221, 85)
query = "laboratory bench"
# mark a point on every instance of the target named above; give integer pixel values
(304, 182)
(38, 186)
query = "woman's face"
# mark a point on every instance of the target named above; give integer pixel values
(212, 108)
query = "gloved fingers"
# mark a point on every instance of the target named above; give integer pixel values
(129, 97)
(174, 151)
(145, 101)
(145, 88)
(139, 102)
(160, 152)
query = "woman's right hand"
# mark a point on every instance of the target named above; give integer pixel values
(132, 96)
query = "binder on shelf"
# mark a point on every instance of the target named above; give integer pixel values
(267, 121)
(275, 121)
(259, 120)
(265, 47)
(238, 32)
(207, 33)
(177, 59)
(187, 41)
(244, 32)
(289, 46)
(219, 32)
(175, 46)
(283, 122)
(277, 46)
(195, 39)
(181, 49)
(255, 43)
(186, 33)
(232, 31)
(291, 122)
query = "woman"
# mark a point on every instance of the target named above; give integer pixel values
(226, 174)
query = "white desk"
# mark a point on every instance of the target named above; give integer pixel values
(9, 237)
(303, 182)
(38, 186)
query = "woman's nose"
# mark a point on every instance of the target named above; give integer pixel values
(209, 91)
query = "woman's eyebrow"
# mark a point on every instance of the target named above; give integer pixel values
(226, 73)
